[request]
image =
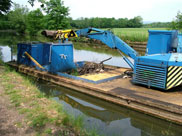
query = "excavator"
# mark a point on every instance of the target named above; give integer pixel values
(59, 34)
(161, 67)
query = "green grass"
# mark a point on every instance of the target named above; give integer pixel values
(39, 121)
(40, 111)
(48, 131)
(134, 34)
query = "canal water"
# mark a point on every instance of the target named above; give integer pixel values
(105, 118)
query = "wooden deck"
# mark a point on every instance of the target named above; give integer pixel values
(158, 103)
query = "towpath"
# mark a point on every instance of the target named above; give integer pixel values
(11, 122)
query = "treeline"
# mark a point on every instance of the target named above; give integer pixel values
(158, 25)
(97, 22)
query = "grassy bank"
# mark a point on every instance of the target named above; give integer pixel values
(42, 114)
(134, 34)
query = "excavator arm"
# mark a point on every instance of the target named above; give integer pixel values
(108, 38)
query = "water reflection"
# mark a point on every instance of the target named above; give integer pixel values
(107, 118)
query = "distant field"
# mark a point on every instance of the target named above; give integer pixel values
(134, 34)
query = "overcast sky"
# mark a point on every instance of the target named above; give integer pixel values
(149, 10)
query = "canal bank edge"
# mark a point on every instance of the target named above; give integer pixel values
(42, 115)
(162, 110)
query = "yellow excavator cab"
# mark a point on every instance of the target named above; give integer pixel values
(59, 34)
(65, 34)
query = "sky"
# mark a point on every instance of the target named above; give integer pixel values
(149, 10)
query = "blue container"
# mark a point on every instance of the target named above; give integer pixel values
(159, 70)
(21, 58)
(179, 49)
(62, 57)
(160, 41)
(46, 53)
(39, 51)
(151, 70)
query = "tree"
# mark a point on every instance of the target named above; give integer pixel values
(107, 22)
(138, 21)
(4, 24)
(158, 25)
(122, 22)
(177, 23)
(17, 17)
(5, 6)
(34, 21)
(135, 22)
(57, 14)
(32, 2)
